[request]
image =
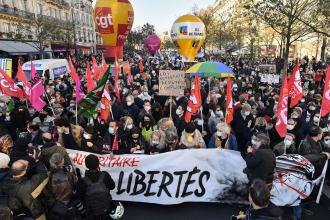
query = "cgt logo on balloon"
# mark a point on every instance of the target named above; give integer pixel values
(103, 19)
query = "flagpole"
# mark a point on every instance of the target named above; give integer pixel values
(201, 108)
(171, 107)
(76, 113)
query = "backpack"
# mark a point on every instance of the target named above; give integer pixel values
(97, 197)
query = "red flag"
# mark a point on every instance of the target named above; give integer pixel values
(75, 78)
(229, 103)
(104, 65)
(195, 100)
(141, 66)
(95, 69)
(127, 70)
(22, 77)
(282, 109)
(325, 107)
(294, 86)
(116, 73)
(105, 104)
(37, 89)
(8, 86)
(89, 79)
(74, 74)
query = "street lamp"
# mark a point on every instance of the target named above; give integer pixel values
(81, 6)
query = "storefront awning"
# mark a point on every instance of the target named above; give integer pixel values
(20, 48)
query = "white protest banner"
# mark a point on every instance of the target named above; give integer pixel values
(269, 78)
(171, 83)
(199, 175)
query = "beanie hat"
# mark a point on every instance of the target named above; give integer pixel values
(92, 162)
(4, 160)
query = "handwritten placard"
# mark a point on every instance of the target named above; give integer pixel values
(171, 83)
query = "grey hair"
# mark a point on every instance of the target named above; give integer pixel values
(171, 135)
(161, 136)
(56, 161)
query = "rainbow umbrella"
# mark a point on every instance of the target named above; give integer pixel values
(210, 69)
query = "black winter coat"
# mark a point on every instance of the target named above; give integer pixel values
(261, 164)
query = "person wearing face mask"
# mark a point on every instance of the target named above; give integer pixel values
(242, 124)
(179, 120)
(223, 138)
(287, 146)
(311, 149)
(192, 137)
(216, 115)
(260, 126)
(156, 143)
(136, 144)
(157, 111)
(144, 95)
(113, 140)
(146, 110)
(91, 141)
(36, 134)
(43, 119)
(260, 160)
(147, 126)
(172, 140)
(132, 108)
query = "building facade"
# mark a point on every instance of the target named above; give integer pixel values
(71, 17)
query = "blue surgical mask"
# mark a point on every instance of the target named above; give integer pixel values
(111, 130)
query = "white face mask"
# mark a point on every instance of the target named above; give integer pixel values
(200, 122)
(7, 118)
(111, 130)
(287, 142)
(316, 119)
(247, 113)
(219, 113)
(253, 142)
(129, 127)
(290, 127)
(219, 133)
(129, 103)
(87, 136)
(155, 142)
(327, 142)
(178, 112)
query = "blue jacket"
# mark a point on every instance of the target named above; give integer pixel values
(232, 143)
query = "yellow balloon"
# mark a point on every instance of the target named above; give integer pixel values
(188, 35)
(114, 20)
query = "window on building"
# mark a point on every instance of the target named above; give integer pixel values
(39, 9)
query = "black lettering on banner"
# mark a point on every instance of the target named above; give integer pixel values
(164, 184)
(129, 183)
(139, 180)
(150, 182)
(200, 181)
(180, 174)
(120, 182)
(189, 182)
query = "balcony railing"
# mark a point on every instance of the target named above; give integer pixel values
(5, 9)
(61, 2)
(56, 21)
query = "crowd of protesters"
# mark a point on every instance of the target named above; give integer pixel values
(38, 180)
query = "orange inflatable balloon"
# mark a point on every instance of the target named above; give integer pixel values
(114, 20)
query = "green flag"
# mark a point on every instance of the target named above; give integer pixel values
(89, 103)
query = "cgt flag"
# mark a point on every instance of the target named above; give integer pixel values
(96, 69)
(294, 86)
(8, 86)
(105, 104)
(325, 107)
(37, 89)
(89, 103)
(22, 77)
(195, 100)
(89, 78)
(282, 109)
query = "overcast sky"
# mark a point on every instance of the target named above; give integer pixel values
(162, 13)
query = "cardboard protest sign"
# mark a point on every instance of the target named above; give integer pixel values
(171, 83)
